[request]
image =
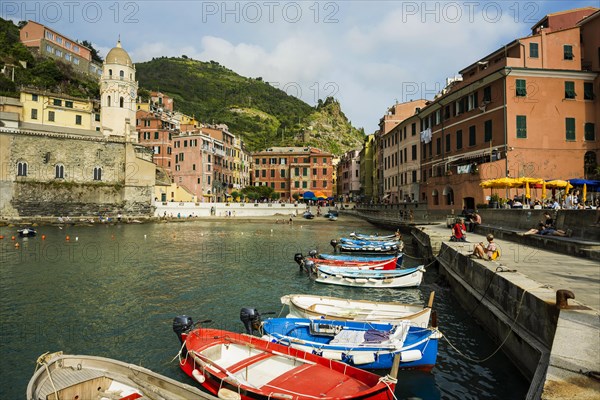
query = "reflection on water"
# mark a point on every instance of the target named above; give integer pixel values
(113, 291)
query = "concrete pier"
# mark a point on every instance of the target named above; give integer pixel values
(556, 347)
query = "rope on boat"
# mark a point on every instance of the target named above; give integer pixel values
(387, 380)
(281, 311)
(42, 361)
(505, 339)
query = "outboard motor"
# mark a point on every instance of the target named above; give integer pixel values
(334, 243)
(299, 258)
(181, 324)
(250, 317)
(310, 267)
(312, 253)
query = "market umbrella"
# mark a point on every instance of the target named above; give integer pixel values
(527, 190)
(544, 190)
(584, 192)
(558, 183)
(309, 196)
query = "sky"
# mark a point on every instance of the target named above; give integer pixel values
(367, 54)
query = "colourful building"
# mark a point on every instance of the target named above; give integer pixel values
(349, 176)
(529, 108)
(294, 170)
(50, 43)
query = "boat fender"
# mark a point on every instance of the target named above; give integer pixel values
(410, 355)
(332, 355)
(228, 394)
(366, 358)
(198, 376)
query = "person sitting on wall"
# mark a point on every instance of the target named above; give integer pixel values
(489, 252)
(474, 221)
(459, 231)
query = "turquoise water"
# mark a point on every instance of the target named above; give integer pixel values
(113, 291)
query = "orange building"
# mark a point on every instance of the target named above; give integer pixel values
(528, 109)
(156, 132)
(294, 170)
(50, 43)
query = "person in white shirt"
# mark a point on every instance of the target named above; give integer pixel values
(555, 205)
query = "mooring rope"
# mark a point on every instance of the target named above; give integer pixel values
(387, 380)
(505, 339)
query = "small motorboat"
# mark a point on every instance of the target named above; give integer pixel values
(367, 247)
(362, 236)
(408, 277)
(27, 232)
(353, 257)
(241, 366)
(61, 376)
(308, 215)
(361, 344)
(311, 306)
(392, 263)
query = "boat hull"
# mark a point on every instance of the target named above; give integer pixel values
(309, 306)
(247, 367)
(416, 347)
(411, 277)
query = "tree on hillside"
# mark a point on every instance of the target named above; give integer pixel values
(95, 55)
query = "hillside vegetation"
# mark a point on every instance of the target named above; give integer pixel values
(262, 115)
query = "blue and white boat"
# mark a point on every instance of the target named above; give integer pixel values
(347, 245)
(362, 344)
(348, 257)
(362, 236)
(367, 278)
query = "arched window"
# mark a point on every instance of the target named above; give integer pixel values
(110, 73)
(449, 195)
(108, 101)
(97, 174)
(121, 102)
(122, 74)
(60, 171)
(21, 168)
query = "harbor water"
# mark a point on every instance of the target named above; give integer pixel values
(113, 290)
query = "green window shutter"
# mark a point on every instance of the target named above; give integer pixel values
(521, 87)
(570, 128)
(521, 126)
(570, 90)
(590, 131)
(568, 52)
(488, 131)
(588, 91)
(533, 50)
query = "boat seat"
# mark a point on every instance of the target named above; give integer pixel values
(349, 337)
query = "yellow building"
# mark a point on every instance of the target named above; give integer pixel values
(59, 110)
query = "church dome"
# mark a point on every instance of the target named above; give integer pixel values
(118, 56)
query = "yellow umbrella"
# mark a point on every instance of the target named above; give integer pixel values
(527, 191)
(544, 190)
(584, 193)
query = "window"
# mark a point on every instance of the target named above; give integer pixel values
(97, 117)
(68, 57)
(51, 116)
(257, 174)
(282, 173)
(59, 171)
(49, 35)
(521, 126)
(57, 102)
(314, 184)
(49, 49)
(297, 171)
(304, 185)
(108, 101)
(78, 120)
(569, 90)
(296, 184)
(521, 88)
(324, 171)
(282, 185)
(414, 128)
(34, 97)
(324, 184)
(121, 74)
(264, 173)
(324, 161)
(487, 128)
(68, 104)
(314, 171)
(97, 174)
(533, 50)
(438, 146)
(21, 168)
(568, 52)
(305, 171)
(58, 53)
(34, 113)
(414, 152)
(121, 102)
(588, 91)
(570, 128)
(589, 131)
(272, 173)
(75, 60)
(68, 45)
(472, 135)
(447, 143)
(487, 94)
(76, 48)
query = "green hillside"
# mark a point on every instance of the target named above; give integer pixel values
(262, 115)
(32, 70)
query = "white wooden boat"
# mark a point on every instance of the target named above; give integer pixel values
(408, 277)
(313, 307)
(61, 376)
